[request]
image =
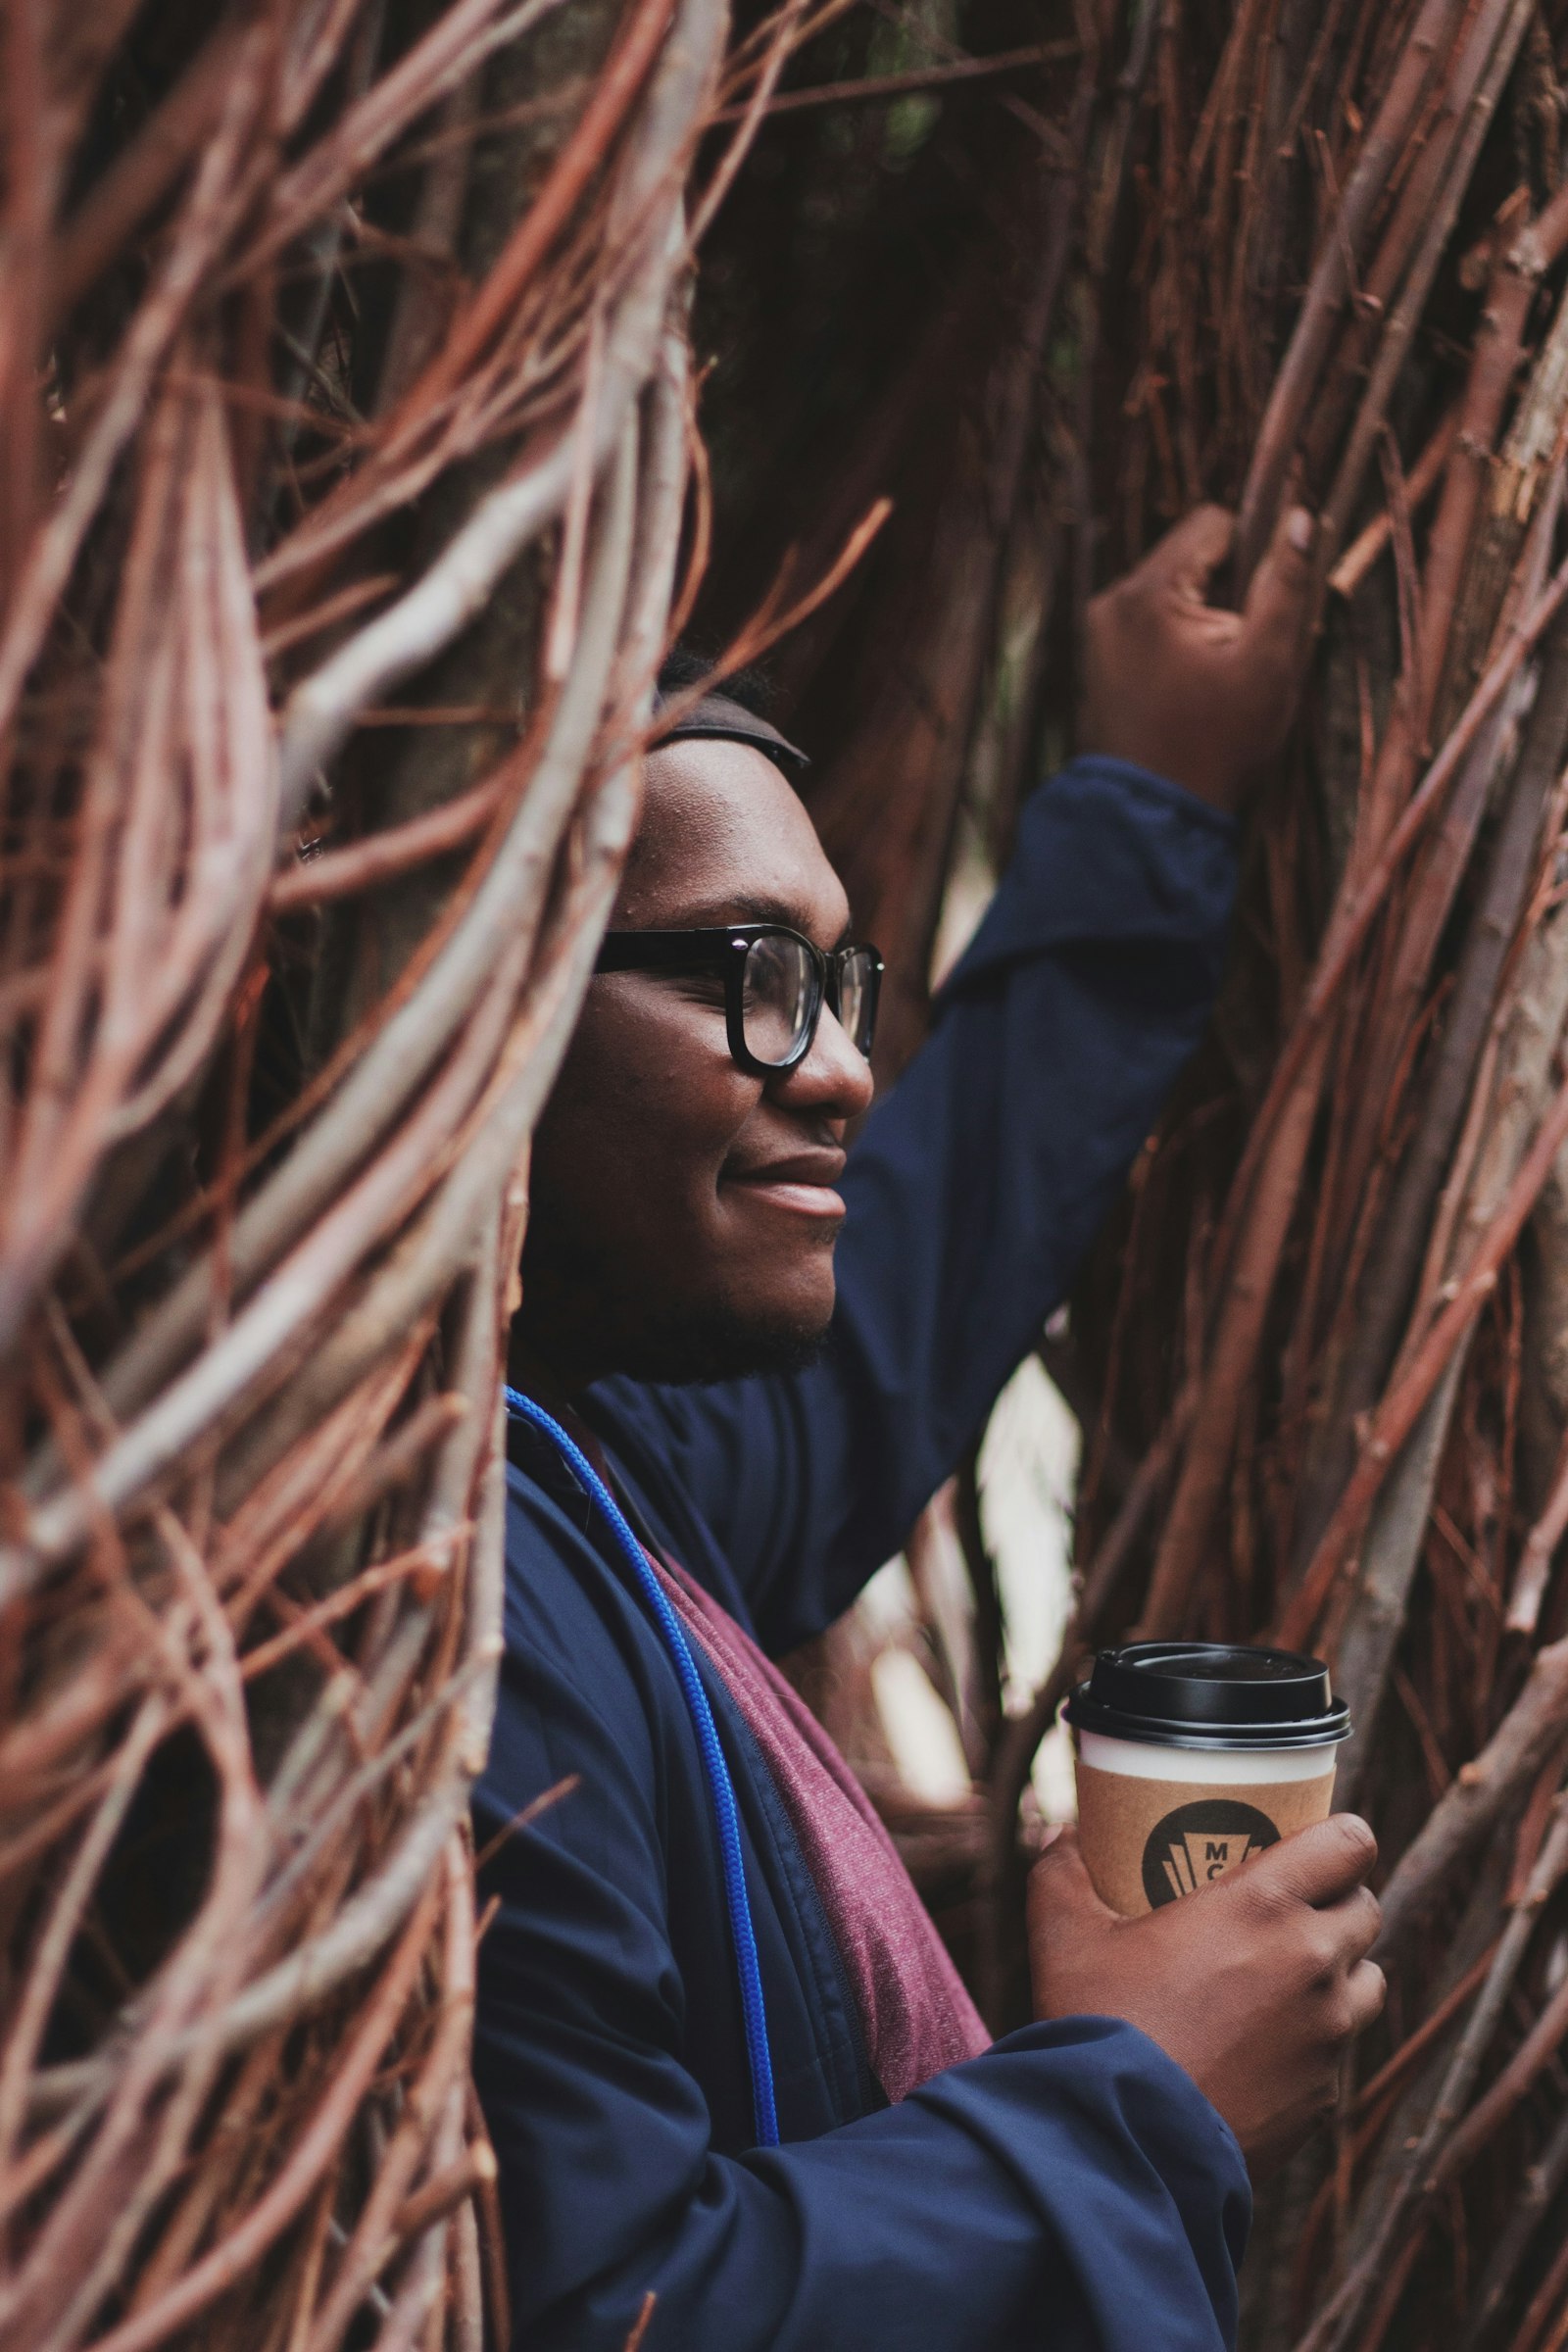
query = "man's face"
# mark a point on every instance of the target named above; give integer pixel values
(683, 1213)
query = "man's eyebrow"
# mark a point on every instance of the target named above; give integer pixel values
(747, 907)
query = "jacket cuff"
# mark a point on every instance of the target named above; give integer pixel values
(1109, 856)
(1127, 776)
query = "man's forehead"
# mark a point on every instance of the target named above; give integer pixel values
(724, 838)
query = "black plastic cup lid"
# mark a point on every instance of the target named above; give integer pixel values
(1209, 1694)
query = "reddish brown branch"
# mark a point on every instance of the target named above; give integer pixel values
(1480, 1798)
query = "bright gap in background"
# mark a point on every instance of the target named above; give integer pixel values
(1028, 1476)
(1028, 1471)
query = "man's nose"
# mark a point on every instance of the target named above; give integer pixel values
(834, 1077)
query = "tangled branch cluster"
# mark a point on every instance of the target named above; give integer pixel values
(1347, 1227)
(323, 350)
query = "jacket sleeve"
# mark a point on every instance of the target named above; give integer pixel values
(973, 1192)
(1058, 2192)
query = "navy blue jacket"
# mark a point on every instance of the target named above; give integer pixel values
(1070, 2189)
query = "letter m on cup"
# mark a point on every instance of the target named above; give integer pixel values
(1212, 1857)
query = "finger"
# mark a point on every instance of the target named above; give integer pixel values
(1367, 1990)
(1279, 602)
(1353, 1923)
(1059, 1884)
(1186, 558)
(1319, 1865)
(1059, 1867)
(1342, 1933)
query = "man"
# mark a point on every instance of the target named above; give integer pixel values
(738, 2095)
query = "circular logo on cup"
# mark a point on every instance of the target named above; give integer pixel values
(1200, 1842)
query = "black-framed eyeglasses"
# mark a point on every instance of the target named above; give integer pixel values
(775, 981)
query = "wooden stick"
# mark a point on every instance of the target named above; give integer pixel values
(1419, 483)
(1481, 1796)
(1397, 1415)
(1330, 287)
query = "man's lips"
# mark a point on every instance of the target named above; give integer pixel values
(802, 1183)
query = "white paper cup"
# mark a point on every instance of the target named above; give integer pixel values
(1192, 1757)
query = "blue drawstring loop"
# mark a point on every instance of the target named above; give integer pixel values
(719, 1786)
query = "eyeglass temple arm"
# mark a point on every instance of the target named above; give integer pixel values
(658, 950)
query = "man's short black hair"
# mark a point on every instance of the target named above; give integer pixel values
(733, 712)
(684, 666)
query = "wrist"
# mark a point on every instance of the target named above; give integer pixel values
(1198, 778)
(1142, 777)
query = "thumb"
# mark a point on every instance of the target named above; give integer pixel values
(1320, 1865)
(1060, 1890)
(1279, 602)
(1191, 551)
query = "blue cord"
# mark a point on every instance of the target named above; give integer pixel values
(719, 1786)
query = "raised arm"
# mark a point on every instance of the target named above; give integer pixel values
(976, 1187)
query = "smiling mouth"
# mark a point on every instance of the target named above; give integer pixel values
(801, 1186)
(798, 1198)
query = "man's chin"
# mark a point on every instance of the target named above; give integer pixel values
(695, 1350)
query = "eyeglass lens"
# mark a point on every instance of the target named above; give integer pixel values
(780, 1000)
(858, 997)
(778, 997)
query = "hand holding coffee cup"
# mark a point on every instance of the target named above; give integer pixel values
(1257, 1987)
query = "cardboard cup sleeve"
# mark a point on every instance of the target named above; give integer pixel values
(1147, 1842)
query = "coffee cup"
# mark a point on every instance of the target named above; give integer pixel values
(1192, 1756)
